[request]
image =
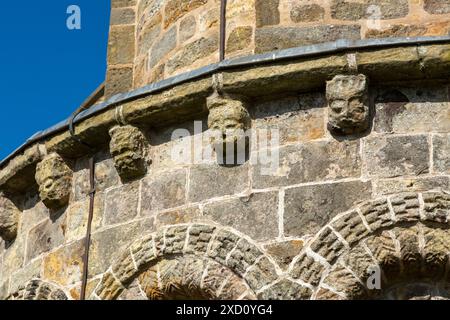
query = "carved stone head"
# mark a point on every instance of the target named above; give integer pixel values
(54, 178)
(228, 118)
(128, 148)
(348, 101)
(9, 219)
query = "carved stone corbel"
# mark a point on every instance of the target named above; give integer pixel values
(9, 218)
(228, 120)
(54, 178)
(128, 146)
(348, 101)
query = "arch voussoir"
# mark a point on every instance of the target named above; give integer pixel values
(223, 248)
(37, 289)
(404, 236)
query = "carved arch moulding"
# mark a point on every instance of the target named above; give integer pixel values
(36, 289)
(405, 237)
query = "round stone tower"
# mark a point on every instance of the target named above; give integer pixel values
(244, 149)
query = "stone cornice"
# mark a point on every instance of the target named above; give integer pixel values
(18, 174)
(186, 99)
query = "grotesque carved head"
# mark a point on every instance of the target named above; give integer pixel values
(228, 118)
(54, 178)
(9, 218)
(128, 148)
(348, 104)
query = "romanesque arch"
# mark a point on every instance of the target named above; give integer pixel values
(191, 261)
(405, 237)
(37, 289)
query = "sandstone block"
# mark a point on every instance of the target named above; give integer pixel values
(45, 237)
(223, 242)
(175, 238)
(199, 238)
(192, 52)
(383, 248)
(391, 156)
(148, 35)
(256, 215)
(328, 245)
(124, 269)
(107, 245)
(106, 175)
(437, 6)
(309, 208)
(277, 38)
(267, 12)
(369, 9)
(307, 270)
(297, 118)
(109, 287)
(121, 204)
(123, 3)
(165, 191)
(350, 227)
(176, 9)
(118, 80)
(187, 28)
(18, 174)
(309, 162)
(122, 16)
(261, 274)
(286, 290)
(211, 180)
(284, 252)
(391, 186)
(239, 39)
(307, 13)
(441, 148)
(360, 262)
(436, 206)
(243, 256)
(406, 207)
(410, 253)
(143, 252)
(344, 281)
(408, 110)
(163, 46)
(121, 45)
(65, 265)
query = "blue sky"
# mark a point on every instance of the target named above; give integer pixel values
(47, 70)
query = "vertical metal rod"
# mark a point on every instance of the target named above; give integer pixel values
(223, 26)
(87, 241)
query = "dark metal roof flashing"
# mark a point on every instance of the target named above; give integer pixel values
(253, 60)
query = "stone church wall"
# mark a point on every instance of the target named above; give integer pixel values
(356, 173)
(319, 177)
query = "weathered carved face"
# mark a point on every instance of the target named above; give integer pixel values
(9, 218)
(54, 178)
(228, 119)
(348, 104)
(128, 146)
